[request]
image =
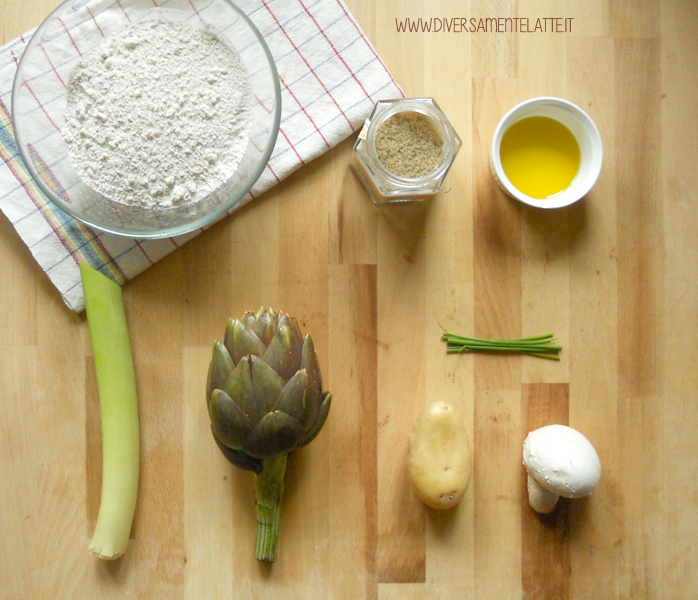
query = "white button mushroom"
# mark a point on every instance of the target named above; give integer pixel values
(560, 461)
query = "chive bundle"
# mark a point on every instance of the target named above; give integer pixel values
(539, 345)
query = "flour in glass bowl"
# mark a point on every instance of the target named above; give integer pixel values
(159, 115)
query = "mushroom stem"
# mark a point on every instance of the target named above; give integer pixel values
(540, 499)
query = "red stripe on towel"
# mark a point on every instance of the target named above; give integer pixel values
(51, 63)
(41, 106)
(95, 21)
(70, 36)
(368, 44)
(305, 112)
(307, 64)
(339, 56)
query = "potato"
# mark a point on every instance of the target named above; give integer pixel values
(439, 456)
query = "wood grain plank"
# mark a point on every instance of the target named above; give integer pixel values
(497, 491)
(19, 472)
(18, 323)
(641, 452)
(211, 252)
(544, 233)
(252, 263)
(208, 517)
(546, 289)
(61, 533)
(679, 66)
(679, 130)
(402, 52)
(449, 217)
(159, 534)
(402, 591)
(497, 242)
(110, 580)
(640, 313)
(678, 525)
(593, 347)
(352, 431)
(542, 55)
(590, 17)
(495, 54)
(449, 233)
(365, 14)
(19, 21)
(545, 571)
(352, 217)
(450, 545)
(401, 391)
(634, 18)
(640, 209)
(61, 409)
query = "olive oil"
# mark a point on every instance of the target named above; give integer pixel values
(540, 156)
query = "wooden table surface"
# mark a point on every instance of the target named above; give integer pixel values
(613, 276)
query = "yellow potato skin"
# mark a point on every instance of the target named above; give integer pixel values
(439, 457)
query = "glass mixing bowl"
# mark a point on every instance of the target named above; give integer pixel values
(39, 100)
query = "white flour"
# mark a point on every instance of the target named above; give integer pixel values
(158, 115)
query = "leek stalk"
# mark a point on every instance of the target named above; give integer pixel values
(116, 383)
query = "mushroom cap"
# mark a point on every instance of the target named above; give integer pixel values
(562, 460)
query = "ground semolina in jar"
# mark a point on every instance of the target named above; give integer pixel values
(404, 150)
(408, 145)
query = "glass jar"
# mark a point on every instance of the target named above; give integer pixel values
(384, 185)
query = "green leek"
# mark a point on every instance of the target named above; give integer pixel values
(116, 383)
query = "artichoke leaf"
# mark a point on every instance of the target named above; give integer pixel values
(241, 341)
(239, 388)
(284, 352)
(248, 319)
(276, 434)
(264, 325)
(310, 363)
(237, 458)
(230, 425)
(260, 312)
(319, 421)
(292, 399)
(219, 370)
(266, 386)
(296, 328)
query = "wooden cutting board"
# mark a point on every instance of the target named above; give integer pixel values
(613, 277)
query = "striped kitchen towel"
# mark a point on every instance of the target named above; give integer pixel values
(330, 75)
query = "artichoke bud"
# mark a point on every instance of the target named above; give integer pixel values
(264, 387)
(265, 399)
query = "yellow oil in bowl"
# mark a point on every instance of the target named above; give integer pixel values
(540, 156)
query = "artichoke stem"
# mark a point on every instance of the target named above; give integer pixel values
(269, 486)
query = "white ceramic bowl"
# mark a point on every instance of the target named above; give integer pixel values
(39, 99)
(585, 132)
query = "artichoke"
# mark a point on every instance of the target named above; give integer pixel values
(265, 399)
